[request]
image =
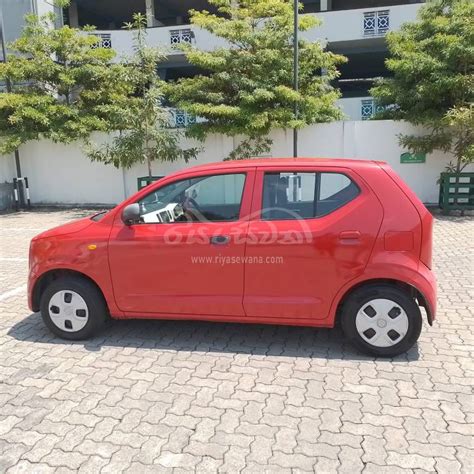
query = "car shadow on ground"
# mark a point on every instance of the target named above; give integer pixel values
(197, 336)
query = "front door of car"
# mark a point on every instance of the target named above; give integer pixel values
(186, 257)
(312, 230)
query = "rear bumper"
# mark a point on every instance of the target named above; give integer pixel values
(426, 285)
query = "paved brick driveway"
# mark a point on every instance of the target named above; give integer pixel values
(164, 396)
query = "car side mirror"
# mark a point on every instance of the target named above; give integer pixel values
(131, 214)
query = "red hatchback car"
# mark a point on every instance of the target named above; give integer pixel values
(279, 241)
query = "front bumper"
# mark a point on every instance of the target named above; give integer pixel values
(32, 279)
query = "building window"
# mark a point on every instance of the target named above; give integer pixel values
(376, 23)
(66, 18)
(181, 36)
(311, 6)
(105, 40)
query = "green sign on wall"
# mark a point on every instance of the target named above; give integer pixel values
(408, 157)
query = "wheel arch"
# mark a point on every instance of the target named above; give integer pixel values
(411, 289)
(46, 278)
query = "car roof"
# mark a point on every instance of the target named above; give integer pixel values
(267, 162)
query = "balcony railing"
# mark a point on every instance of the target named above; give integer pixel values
(181, 36)
(376, 23)
(105, 40)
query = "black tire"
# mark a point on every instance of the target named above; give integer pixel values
(96, 306)
(355, 302)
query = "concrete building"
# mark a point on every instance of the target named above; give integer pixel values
(355, 28)
(13, 13)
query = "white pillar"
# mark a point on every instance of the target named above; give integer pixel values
(41, 7)
(326, 5)
(150, 13)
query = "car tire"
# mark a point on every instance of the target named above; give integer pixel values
(73, 308)
(381, 320)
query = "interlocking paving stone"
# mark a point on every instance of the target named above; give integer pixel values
(163, 396)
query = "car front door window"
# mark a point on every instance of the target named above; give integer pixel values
(215, 198)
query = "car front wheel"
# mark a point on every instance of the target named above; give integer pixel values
(73, 308)
(381, 320)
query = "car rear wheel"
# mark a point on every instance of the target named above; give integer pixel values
(381, 320)
(73, 308)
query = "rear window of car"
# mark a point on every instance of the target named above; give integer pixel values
(305, 195)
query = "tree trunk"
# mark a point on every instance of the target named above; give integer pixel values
(148, 162)
(458, 164)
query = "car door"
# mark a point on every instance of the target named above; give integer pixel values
(186, 267)
(312, 230)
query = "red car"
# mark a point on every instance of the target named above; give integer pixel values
(303, 242)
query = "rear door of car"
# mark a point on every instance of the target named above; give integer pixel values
(311, 231)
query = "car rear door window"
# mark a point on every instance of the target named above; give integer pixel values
(305, 195)
(288, 195)
(335, 190)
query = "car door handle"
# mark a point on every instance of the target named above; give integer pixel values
(219, 239)
(349, 235)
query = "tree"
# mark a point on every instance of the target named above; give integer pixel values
(144, 123)
(432, 62)
(63, 85)
(246, 87)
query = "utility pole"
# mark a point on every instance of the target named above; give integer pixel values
(9, 89)
(295, 74)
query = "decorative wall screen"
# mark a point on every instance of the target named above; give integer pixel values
(105, 40)
(376, 23)
(181, 119)
(181, 36)
(368, 108)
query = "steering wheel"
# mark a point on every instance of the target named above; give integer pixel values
(192, 207)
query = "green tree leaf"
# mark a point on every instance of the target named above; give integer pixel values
(246, 88)
(62, 85)
(432, 62)
(143, 123)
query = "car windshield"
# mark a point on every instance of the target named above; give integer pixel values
(97, 217)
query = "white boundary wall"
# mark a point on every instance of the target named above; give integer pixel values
(62, 174)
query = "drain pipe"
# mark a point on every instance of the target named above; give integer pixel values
(9, 89)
